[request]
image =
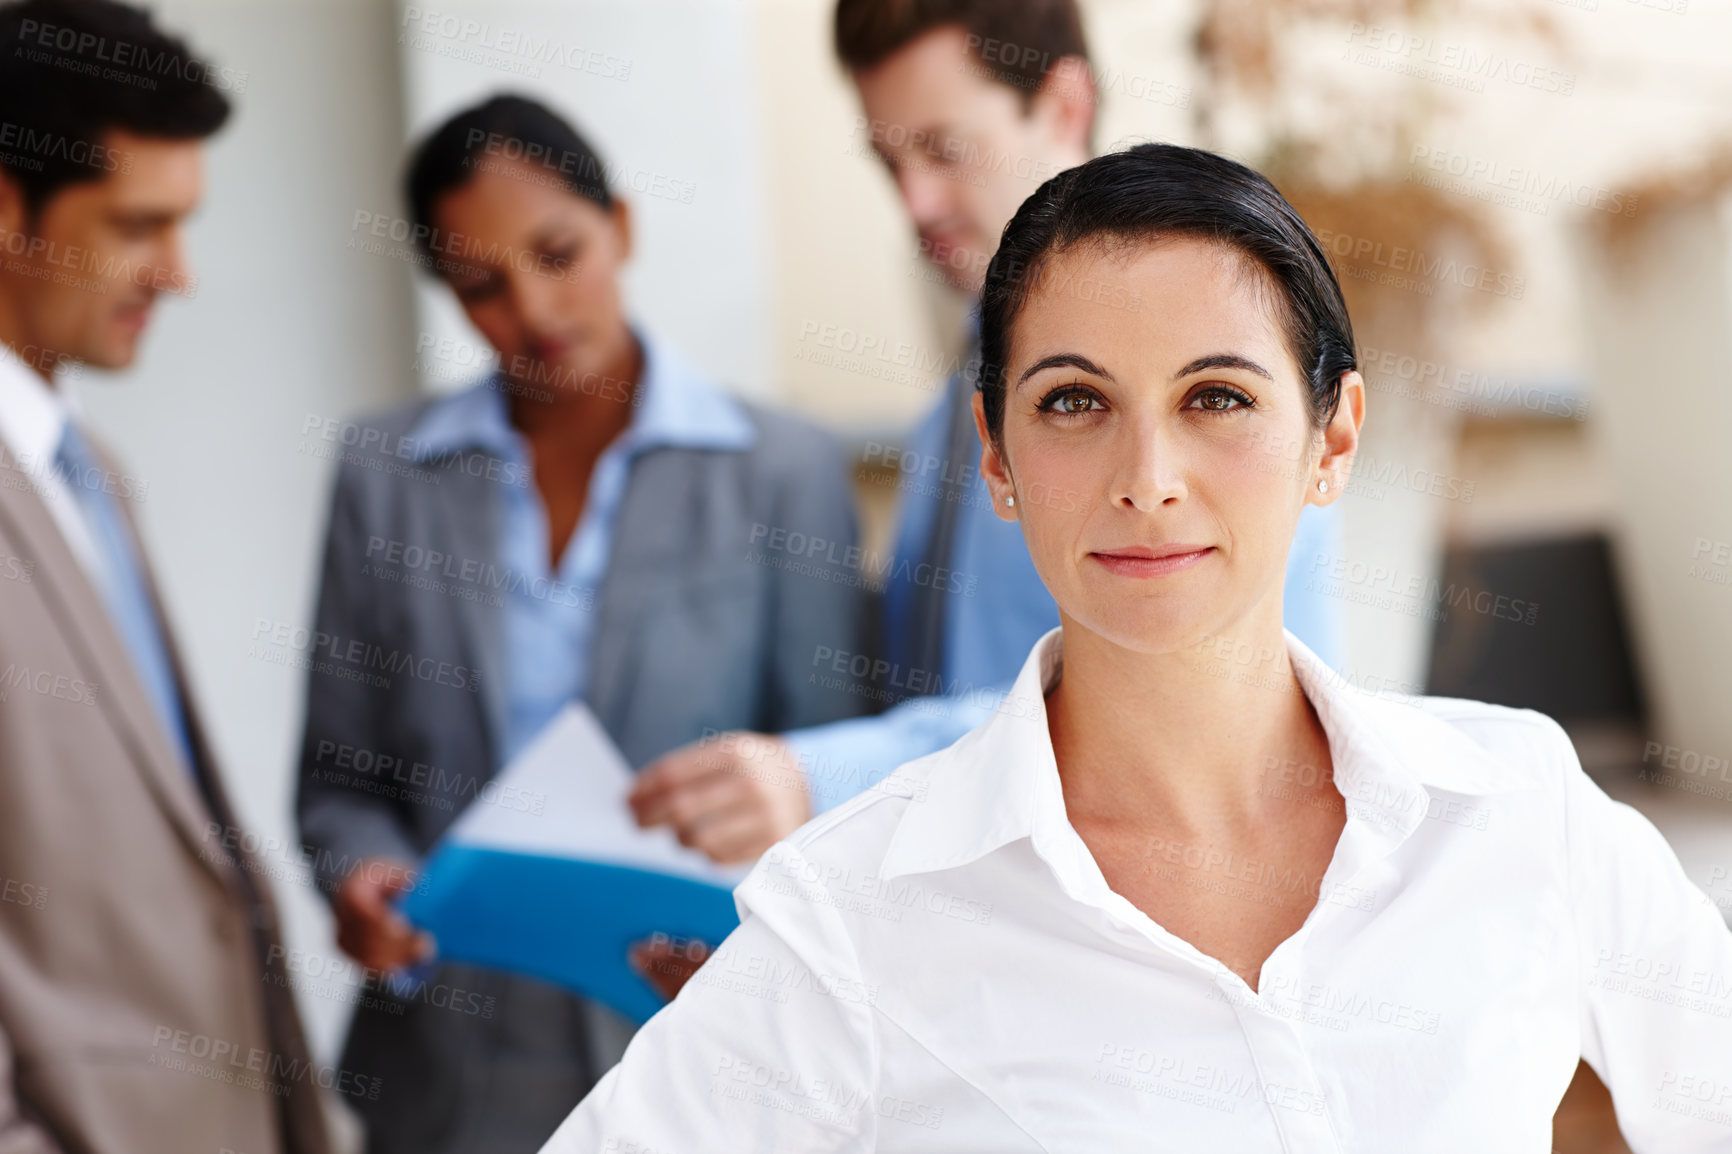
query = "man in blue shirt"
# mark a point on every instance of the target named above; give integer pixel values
(971, 105)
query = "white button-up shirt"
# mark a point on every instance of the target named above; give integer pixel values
(33, 419)
(939, 965)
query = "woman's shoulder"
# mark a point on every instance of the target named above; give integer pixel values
(789, 444)
(774, 442)
(1495, 727)
(1504, 747)
(862, 827)
(385, 430)
(406, 448)
(840, 855)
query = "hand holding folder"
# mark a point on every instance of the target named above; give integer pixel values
(546, 874)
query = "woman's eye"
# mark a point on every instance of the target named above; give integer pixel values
(1069, 403)
(477, 292)
(1220, 400)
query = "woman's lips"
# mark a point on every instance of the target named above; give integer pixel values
(1146, 562)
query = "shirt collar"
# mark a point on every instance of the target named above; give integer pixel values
(1000, 783)
(33, 414)
(675, 407)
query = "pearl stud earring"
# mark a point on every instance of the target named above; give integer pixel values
(1010, 499)
(1323, 486)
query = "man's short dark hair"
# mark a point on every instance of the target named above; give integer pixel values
(71, 71)
(1017, 42)
(502, 128)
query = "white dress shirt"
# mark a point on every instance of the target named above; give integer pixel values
(939, 966)
(33, 419)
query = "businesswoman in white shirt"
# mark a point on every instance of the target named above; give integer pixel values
(1187, 890)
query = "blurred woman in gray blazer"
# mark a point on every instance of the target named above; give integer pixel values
(595, 522)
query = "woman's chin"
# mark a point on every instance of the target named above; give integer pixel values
(1167, 625)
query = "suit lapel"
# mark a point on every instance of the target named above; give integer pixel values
(646, 554)
(83, 621)
(471, 510)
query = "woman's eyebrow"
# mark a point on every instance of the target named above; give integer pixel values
(549, 230)
(1223, 361)
(1061, 360)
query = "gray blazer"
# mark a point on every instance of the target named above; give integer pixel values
(700, 629)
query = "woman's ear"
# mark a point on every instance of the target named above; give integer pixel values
(1066, 102)
(621, 213)
(1340, 441)
(998, 480)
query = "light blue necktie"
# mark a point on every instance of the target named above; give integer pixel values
(123, 586)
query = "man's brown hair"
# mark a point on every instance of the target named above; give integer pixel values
(1017, 42)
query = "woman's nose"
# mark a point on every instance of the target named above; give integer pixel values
(534, 300)
(1148, 471)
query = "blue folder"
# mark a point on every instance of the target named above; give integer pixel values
(565, 921)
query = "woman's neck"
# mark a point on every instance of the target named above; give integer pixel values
(1183, 739)
(593, 406)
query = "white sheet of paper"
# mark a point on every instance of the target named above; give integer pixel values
(564, 796)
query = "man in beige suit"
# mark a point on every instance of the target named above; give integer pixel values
(143, 1004)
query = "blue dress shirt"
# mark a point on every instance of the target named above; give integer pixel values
(548, 618)
(990, 626)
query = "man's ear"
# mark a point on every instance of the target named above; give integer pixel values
(1066, 100)
(1340, 441)
(992, 468)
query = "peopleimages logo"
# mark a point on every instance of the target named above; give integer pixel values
(86, 268)
(1522, 180)
(1417, 263)
(1415, 594)
(1459, 65)
(237, 1064)
(838, 561)
(463, 38)
(353, 658)
(27, 148)
(117, 59)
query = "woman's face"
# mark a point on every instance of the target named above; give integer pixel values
(536, 268)
(1160, 458)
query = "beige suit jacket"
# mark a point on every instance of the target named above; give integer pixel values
(142, 1006)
